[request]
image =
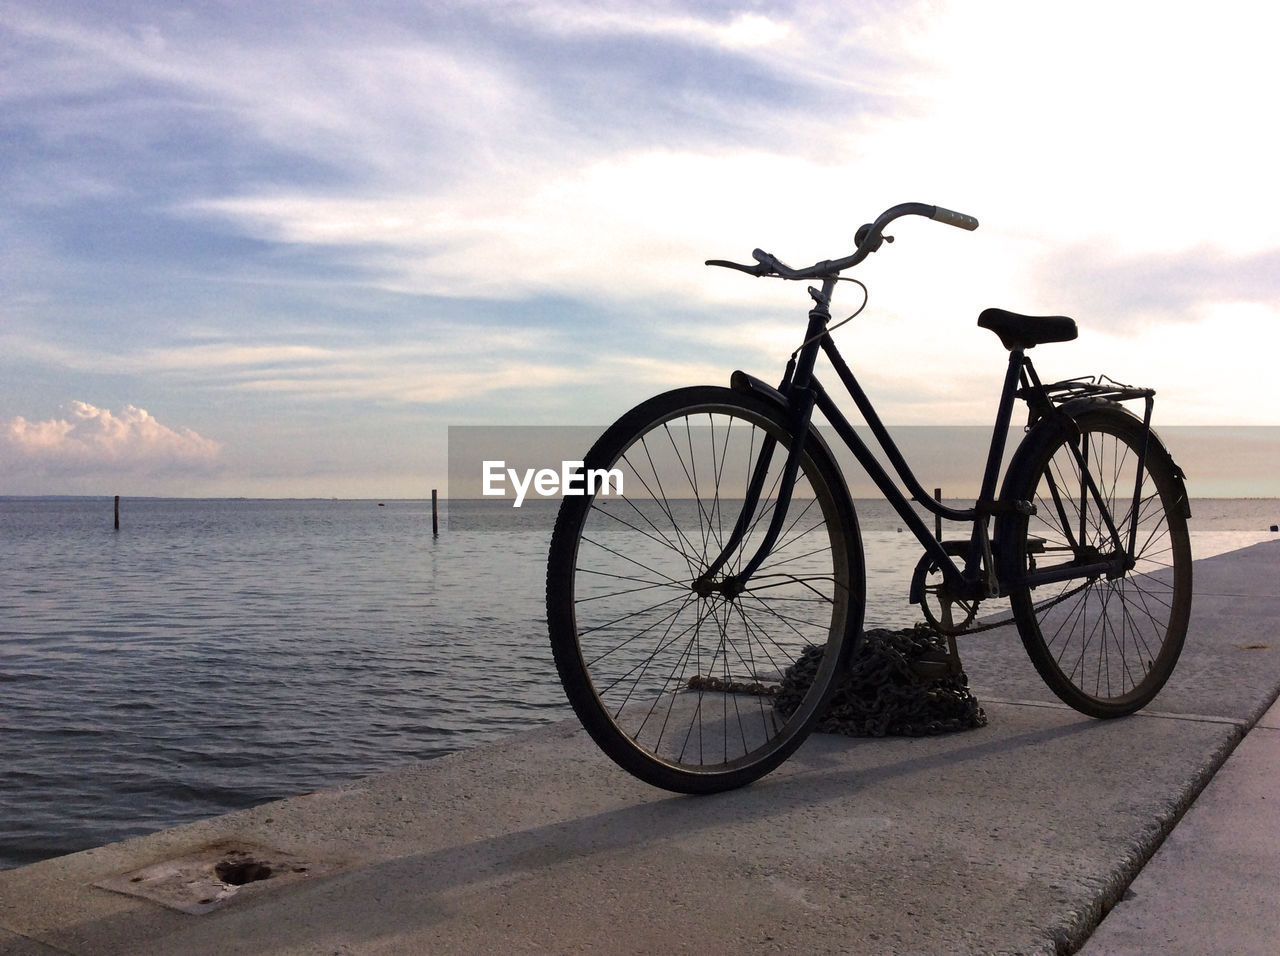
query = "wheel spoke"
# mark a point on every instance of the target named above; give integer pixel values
(671, 672)
(1104, 645)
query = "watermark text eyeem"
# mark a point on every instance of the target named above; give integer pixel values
(571, 479)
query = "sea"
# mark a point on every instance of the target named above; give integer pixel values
(211, 655)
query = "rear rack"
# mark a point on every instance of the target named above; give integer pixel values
(1090, 386)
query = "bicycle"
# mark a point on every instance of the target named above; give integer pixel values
(675, 609)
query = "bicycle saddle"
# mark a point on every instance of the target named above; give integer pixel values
(1024, 331)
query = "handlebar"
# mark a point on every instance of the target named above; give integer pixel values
(869, 238)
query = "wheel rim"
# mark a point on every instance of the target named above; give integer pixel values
(683, 673)
(1111, 639)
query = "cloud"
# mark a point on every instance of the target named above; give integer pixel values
(745, 31)
(377, 215)
(583, 229)
(1129, 292)
(441, 365)
(95, 439)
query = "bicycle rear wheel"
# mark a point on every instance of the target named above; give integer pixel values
(677, 686)
(1104, 646)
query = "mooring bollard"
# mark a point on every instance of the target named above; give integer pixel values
(117, 512)
(435, 517)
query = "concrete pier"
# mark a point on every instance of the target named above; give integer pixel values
(1045, 831)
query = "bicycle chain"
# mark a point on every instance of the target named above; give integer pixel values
(992, 625)
(716, 685)
(882, 694)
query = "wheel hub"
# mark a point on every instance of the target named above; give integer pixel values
(730, 586)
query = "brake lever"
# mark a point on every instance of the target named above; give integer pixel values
(757, 270)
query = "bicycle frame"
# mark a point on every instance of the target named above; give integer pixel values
(801, 393)
(674, 678)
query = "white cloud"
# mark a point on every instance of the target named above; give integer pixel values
(450, 365)
(635, 225)
(1105, 118)
(89, 438)
(743, 30)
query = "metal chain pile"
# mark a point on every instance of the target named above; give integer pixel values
(882, 694)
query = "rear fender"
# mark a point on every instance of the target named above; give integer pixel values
(1044, 433)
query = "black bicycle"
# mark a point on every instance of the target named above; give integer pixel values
(676, 607)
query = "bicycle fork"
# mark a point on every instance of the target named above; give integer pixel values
(801, 399)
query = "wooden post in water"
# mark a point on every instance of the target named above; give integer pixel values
(435, 517)
(117, 512)
(937, 519)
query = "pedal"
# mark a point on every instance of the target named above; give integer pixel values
(939, 664)
(934, 665)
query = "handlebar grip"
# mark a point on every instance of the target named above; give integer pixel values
(951, 218)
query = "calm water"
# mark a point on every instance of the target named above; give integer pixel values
(214, 654)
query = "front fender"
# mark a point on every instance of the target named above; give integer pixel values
(741, 381)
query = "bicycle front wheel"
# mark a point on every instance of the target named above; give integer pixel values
(1104, 645)
(674, 681)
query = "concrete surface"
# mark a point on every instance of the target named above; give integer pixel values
(1214, 884)
(1017, 837)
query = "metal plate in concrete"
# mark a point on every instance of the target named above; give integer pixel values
(201, 881)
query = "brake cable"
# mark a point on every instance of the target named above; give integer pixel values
(866, 297)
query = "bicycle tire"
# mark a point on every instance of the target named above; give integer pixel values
(638, 650)
(1105, 647)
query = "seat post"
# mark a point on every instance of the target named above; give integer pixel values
(1004, 414)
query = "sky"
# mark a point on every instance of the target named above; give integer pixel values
(278, 249)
